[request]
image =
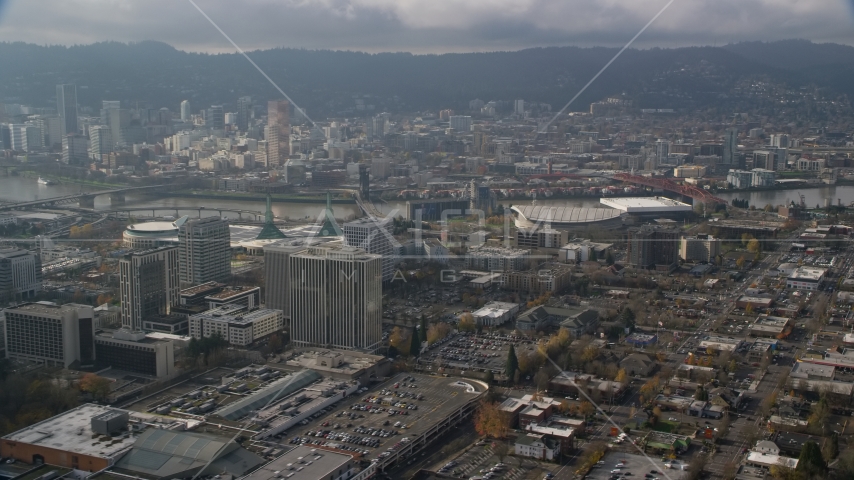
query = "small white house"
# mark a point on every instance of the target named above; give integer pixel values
(536, 446)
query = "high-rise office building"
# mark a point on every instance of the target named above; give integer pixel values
(118, 119)
(204, 251)
(18, 137)
(374, 237)
(5, 136)
(662, 150)
(277, 284)
(244, 112)
(215, 117)
(336, 297)
(376, 126)
(186, 114)
(75, 150)
(149, 285)
(278, 132)
(20, 274)
(66, 106)
(780, 140)
(519, 107)
(460, 123)
(701, 248)
(51, 334)
(648, 247)
(729, 158)
(100, 141)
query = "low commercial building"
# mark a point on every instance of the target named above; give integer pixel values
(641, 340)
(719, 344)
(770, 327)
(754, 302)
(237, 324)
(343, 364)
(665, 443)
(72, 439)
(495, 313)
(146, 355)
(766, 460)
(159, 453)
(311, 463)
(806, 278)
(249, 297)
(577, 320)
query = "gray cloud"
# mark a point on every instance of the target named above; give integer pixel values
(423, 26)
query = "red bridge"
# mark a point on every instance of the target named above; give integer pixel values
(664, 184)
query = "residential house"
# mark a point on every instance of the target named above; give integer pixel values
(536, 446)
(637, 364)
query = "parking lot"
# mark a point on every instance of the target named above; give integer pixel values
(623, 466)
(381, 421)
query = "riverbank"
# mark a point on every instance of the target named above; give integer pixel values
(277, 197)
(69, 180)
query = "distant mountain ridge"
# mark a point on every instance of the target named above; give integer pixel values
(325, 82)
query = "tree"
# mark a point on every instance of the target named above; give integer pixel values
(701, 394)
(512, 364)
(830, 447)
(99, 387)
(753, 246)
(695, 468)
(467, 323)
(723, 427)
(819, 412)
(275, 343)
(767, 404)
(489, 377)
(491, 421)
(810, 461)
(740, 262)
(415, 343)
(437, 331)
(586, 409)
(541, 379)
(622, 376)
(398, 340)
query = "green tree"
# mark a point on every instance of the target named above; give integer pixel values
(701, 394)
(489, 377)
(415, 345)
(609, 258)
(830, 447)
(628, 317)
(810, 461)
(512, 364)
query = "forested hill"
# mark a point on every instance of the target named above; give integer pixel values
(325, 82)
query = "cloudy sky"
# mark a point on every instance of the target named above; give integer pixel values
(423, 26)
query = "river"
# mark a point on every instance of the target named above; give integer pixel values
(17, 189)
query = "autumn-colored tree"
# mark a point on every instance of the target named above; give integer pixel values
(590, 353)
(437, 331)
(104, 298)
(740, 262)
(586, 409)
(467, 323)
(650, 387)
(99, 387)
(753, 246)
(748, 309)
(399, 339)
(622, 376)
(491, 421)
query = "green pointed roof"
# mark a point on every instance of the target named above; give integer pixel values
(269, 231)
(328, 226)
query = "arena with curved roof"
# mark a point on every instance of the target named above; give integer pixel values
(532, 216)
